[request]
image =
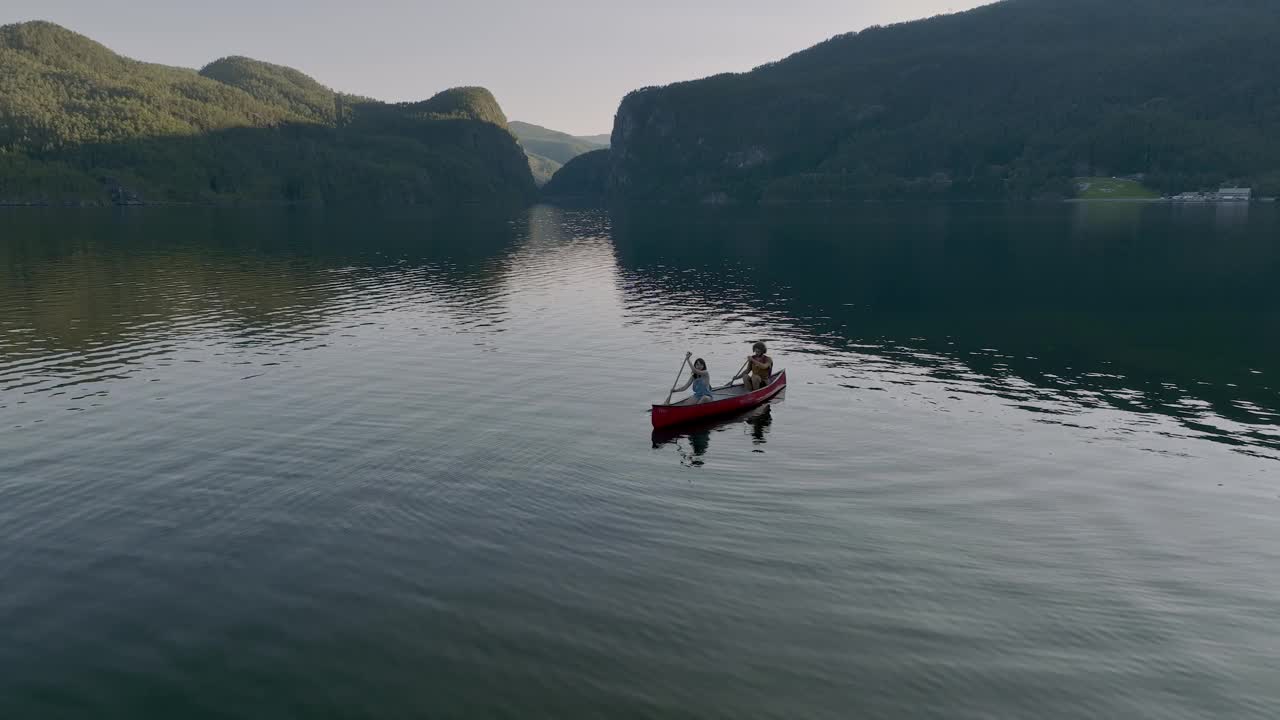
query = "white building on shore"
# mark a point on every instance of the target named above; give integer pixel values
(1235, 194)
(1223, 195)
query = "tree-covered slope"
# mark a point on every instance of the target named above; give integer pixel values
(1007, 101)
(583, 177)
(79, 123)
(276, 85)
(543, 169)
(462, 103)
(549, 149)
(58, 88)
(552, 144)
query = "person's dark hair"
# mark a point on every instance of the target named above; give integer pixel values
(701, 362)
(760, 348)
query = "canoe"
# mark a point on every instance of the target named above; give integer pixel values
(727, 399)
(759, 418)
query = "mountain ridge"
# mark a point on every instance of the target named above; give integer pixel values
(1007, 101)
(83, 124)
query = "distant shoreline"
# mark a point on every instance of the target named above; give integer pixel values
(596, 201)
(1116, 200)
(246, 205)
(1170, 201)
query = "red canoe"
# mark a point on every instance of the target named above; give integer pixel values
(728, 399)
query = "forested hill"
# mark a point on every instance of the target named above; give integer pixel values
(1011, 100)
(553, 144)
(79, 123)
(548, 149)
(277, 85)
(582, 178)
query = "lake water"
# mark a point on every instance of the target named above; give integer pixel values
(307, 465)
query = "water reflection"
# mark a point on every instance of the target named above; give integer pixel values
(1153, 310)
(442, 476)
(692, 441)
(96, 296)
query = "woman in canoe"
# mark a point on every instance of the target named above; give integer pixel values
(758, 369)
(699, 380)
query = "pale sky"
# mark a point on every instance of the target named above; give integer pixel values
(563, 64)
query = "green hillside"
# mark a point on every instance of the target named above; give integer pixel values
(1009, 101)
(548, 149)
(463, 103)
(552, 144)
(542, 168)
(276, 85)
(83, 124)
(58, 89)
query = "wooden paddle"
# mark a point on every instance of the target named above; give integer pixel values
(677, 382)
(735, 375)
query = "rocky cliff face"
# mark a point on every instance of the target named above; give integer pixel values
(661, 152)
(669, 150)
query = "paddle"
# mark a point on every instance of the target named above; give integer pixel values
(677, 382)
(735, 375)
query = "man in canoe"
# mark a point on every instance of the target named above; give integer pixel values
(758, 369)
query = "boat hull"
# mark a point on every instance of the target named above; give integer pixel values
(678, 414)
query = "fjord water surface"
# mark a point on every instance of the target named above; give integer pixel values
(297, 464)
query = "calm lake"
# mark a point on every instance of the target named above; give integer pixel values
(294, 464)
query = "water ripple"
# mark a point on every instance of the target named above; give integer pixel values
(394, 468)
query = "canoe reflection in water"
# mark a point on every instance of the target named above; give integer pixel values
(754, 422)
